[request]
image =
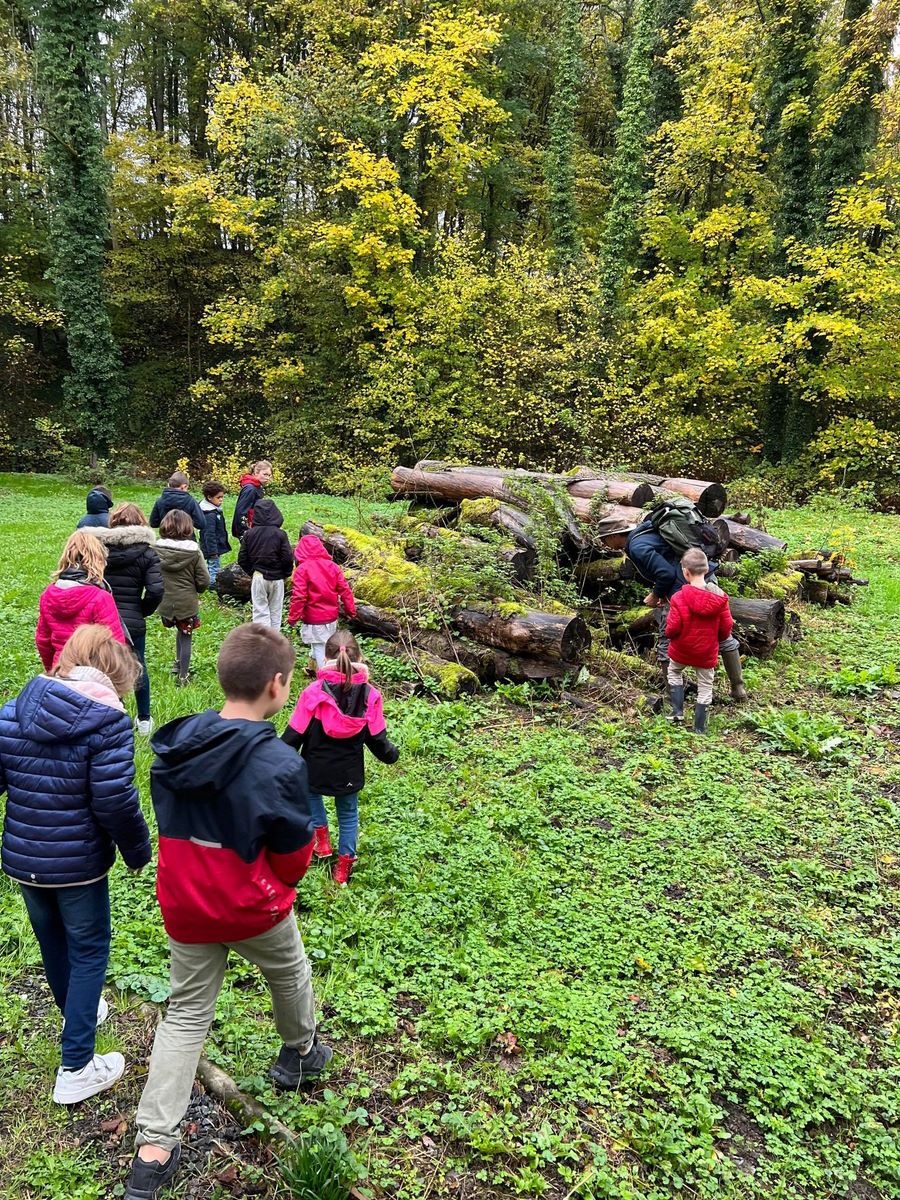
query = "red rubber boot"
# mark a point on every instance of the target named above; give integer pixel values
(322, 844)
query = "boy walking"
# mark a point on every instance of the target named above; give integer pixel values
(235, 837)
(699, 619)
(176, 495)
(265, 555)
(214, 538)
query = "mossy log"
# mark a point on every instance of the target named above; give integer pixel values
(758, 624)
(520, 559)
(334, 541)
(233, 584)
(556, 637)
(629, 492)
(745, 537)
(709, 497)
(487, 662)
(494, 513)
(600, 572)
(444, 678)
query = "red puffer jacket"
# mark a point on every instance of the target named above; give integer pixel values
(318, 583)
(65, 605)
(699, 618)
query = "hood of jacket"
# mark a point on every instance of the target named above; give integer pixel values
(81, 707)
(124, 535)
(705, 602)
(66, 598)
(188, 546)
(320, 702)
(267, 513)
(199, 755)
(245, 479)
(208, 506)
(98, 502)
(309, 547)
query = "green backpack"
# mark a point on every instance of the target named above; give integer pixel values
(681, 523)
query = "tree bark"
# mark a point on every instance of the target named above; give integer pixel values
(557, 637)
(745, 537)
(759, 623)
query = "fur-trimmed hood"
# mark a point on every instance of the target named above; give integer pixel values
(125, 535)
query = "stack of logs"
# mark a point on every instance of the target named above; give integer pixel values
(482, 639)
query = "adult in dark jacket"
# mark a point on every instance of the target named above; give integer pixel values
(98, 504)
(214, 538)
(252, 485)
(176, 495)
(135, 580)
(266, 556)
(67, 767)
(660, 565)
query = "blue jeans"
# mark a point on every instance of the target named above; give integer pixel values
(347, 815)
(142, 687)
(72, 927)
(214, 566)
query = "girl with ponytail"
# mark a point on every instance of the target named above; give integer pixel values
(335, 719)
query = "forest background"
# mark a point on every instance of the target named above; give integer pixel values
(349, 233)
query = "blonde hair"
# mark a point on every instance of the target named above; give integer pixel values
(127, 514)
(94, 646)
(694, 562)
(262, 462)
(85, 550)
(344, 649)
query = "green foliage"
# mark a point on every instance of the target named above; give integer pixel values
(815, 736)
(320, 1166)
(863, 682)
(75, 1174)
(744, 579)
(560, 161)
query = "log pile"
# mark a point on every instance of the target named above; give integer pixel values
(484, 519)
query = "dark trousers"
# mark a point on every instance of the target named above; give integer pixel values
(72, 927)
(142, 687)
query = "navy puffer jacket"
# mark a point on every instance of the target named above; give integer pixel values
(67, 767)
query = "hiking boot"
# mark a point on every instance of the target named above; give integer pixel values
(676, 696)
(731, 660)
(292, 1068)
(322, 843)
(701, 717)
(147, 1178)
(342, 869)
(100, 1073)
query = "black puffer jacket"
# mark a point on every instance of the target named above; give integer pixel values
(132, 572)
(265, 547)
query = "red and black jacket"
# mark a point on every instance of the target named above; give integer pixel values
(235, 832)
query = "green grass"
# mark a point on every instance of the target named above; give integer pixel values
(580, 957)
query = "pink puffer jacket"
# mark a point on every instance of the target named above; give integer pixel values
(64, 606)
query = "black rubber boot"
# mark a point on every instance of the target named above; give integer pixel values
(701, 717)
(292, 1068)
(676, 696)
(731, 660)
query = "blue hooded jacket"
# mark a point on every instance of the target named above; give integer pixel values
(98, 506)
(67, 767)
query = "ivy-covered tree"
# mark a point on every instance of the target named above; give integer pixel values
(559, 167)
(69, 86)
(629, 168)
(848, 126)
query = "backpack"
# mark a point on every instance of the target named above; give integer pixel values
(681, 524)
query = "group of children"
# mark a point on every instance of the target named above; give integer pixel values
(240, 812)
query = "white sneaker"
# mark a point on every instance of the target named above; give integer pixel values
(145, 728)
(100, 1073)
(102, 1013)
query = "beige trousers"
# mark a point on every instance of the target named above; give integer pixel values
(705, 677)
(197, 973)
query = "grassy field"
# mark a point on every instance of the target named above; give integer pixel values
(583, 956)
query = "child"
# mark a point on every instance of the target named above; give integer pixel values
(176, 496)
(699, 618)
(214, 538)
(235, 837)
(335, 718)
(67, 767)
(265, 554)
(134, 578)
(318, 586)
(250, 493)
(184, 577)
(99, 502)
(77, 596)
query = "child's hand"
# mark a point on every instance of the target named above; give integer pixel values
(652, 600)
